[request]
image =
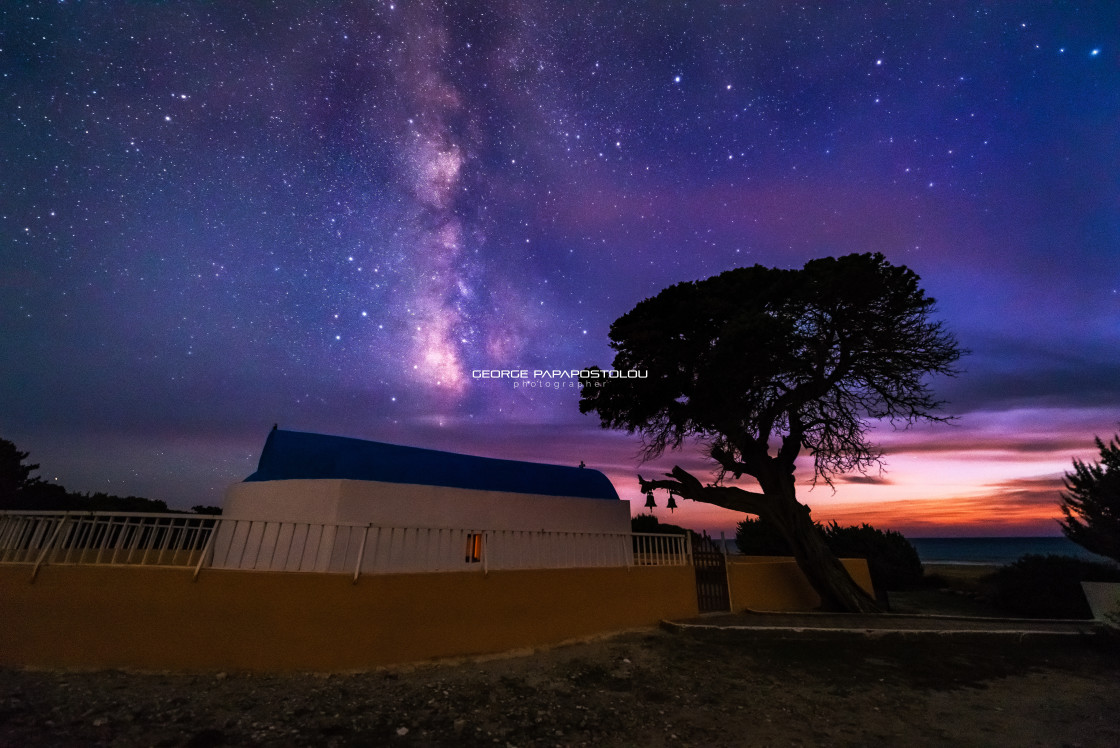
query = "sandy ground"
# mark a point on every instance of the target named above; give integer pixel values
(651, 688)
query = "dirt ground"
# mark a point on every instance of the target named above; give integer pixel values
(955, 589)
(650, 688)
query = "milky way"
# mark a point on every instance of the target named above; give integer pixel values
(455, 301)
(218, 217)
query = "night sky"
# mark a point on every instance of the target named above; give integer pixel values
(219, 216)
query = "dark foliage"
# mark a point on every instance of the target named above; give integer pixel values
(1091, 502)
(892, 560)
(51, 496)
(650, 523)
(15, 475)
(18, 490)
(208, 510)
(757, 537)
(756, 354)
(760, 364)
(1047, 586)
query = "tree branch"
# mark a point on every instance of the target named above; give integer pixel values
(687, 486)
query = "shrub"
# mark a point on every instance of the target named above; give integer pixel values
(756, 537)
(1047, 586)
(53, 497)
(650, 523)
(891, 559)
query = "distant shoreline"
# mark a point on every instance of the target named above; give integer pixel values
(985, 537)
(995, 551)
(970, 564)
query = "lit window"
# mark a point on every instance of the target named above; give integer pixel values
(474, 548)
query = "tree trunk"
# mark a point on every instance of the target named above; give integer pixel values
(837, 589)
(778, 505)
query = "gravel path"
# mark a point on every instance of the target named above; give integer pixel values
(889, 622)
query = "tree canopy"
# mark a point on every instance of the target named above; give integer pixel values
(1091, 502)
(756, 354)
(15, 475)
(20, 491)
(762, 363)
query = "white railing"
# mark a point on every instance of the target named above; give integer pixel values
(108, 538)
(350, 548)
(661, 549)
(200, 541)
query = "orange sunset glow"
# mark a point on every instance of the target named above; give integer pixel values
(964, 479)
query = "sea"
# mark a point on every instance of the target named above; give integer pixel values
(998, 551)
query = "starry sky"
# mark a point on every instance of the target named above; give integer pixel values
(219, 216)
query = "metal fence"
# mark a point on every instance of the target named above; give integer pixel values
(107, 538)
(200, 541)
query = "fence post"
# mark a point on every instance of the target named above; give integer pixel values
(47, 547)
(361, 553)
(206, 549)
(485, 554)
(726, 572)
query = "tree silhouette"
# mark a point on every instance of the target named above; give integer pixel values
(15, 476)
(1091, 502)
(760, 364)
(19, 491)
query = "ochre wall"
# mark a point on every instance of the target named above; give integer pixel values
(768, 583)
(157, 618)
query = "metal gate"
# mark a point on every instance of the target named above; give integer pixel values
(712, 595)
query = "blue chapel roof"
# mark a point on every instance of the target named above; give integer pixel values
(294, 455)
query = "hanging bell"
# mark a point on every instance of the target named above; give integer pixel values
(650, 503)
(672, 502)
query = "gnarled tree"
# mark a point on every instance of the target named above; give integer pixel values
(763, 364)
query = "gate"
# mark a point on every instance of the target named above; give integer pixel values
(712, 595)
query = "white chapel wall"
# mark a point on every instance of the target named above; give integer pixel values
(279, 528)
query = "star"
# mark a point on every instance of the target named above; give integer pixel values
(442, 146)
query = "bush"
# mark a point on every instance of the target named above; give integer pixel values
(53, 497)
(891, 559)
(756, 537)
(650, 523)
(1047, 586)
